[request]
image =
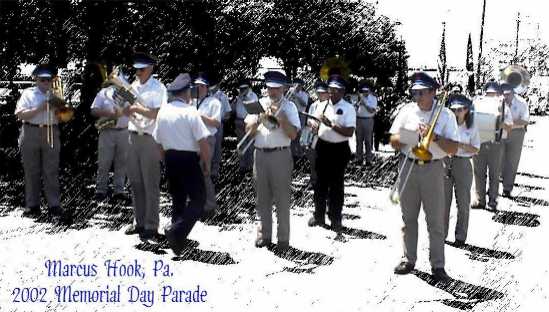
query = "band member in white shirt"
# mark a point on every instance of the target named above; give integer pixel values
(512, 147)
(209, 108)
(40, 158)
(143, 156)
(366, 111)
(317, 108)
(182, 138)
(459, 168)
(425, 184)
(273, 161)
(338, 121)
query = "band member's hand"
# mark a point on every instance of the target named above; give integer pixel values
(282, 118)
(423, 129)
(117, 113)
(326, 121)
(126, 111)
(314, 126)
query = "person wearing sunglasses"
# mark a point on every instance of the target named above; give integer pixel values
(425, 183)
(459, 177)
(40, 159)
(143, 167)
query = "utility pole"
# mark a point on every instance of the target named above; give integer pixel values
(480, 44)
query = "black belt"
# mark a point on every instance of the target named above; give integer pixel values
(422, 162)
(117, 129)
(359, 117)
(272, 149)
(140, 133)
(461, 157)
(39, 125)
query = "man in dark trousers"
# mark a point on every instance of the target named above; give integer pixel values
(182, 137)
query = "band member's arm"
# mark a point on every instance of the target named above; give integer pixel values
(98, 112)
(210, 121)
(288, 128)
(204, 155)
(29, 113)
(252, 124)
(447, 145)
(142, 110)
(344, 131)
(468, 147)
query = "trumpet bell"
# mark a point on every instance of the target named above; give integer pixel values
(65, 114)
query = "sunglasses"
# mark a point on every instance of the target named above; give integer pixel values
(417, 93)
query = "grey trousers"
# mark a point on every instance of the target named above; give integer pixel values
(487, 159)
(40, 161)
(512, 148)
(425, 187)
(273, 174)
(112, 146)
(459, 179)
(210, 204)
(216, 160)
(245, 161)
(364, 137)
(144, 174)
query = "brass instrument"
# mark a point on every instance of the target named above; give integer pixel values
(334, 65)
(57, 105)
(421, 151)
(268, 121)
(517, 76)
(123, 96)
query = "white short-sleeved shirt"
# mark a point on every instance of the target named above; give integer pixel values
(411, 116)
(468, 136)
(210, 107)
(342, 114)
(179, 127)
(371, 102)
(519, 110)
(153, 94)
(266, 138)
(241, 112)
(492, 105)
(104, 101)
(31, 98)
(224, 99)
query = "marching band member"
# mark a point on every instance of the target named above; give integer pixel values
(40, 159)
(333, 154)
(182, 135)
(489, 156)
(366, 111)
(143, 166)
(425, 184)
(315, 109)
(459, 177)
(225, 115)
(209, 108)
(512, 147)
(112, 145)
(245, 94)
(273, 162)
(301, 101)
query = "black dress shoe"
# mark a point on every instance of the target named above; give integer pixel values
(492, 207)
(440, 275)
(120, 197)
(459, 243)
(404, 268)
(33, 211)
(132, 230)
(177, 245)
(283, 245)
(314, 222)
(506, 194)
(262, 242)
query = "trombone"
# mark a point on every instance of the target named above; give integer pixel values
(421, 151)
(269, 122)
(57, 105)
